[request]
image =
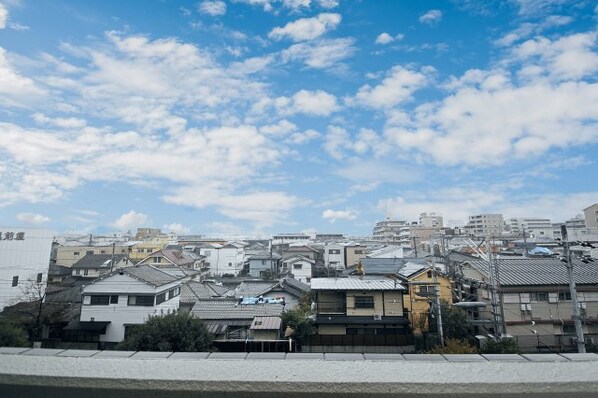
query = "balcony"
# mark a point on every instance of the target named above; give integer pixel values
(331, 308)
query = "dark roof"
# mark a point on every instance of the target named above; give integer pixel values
(58, 270)
(294, 284)
(191, 291)
(254, 288)
(455, 255)
(98, 261)
(540, 271)
(214, 309)
(152, 275)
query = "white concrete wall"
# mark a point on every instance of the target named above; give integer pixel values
(23, 258)
(220, 258)
(338, 259)
(303, 274)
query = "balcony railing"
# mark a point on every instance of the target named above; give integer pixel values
(360, 340)
(332, 307)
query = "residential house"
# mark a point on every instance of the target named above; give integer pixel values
(227, 259)
(290, 290)
(353, 253)
(185, 259)
(57, 273)
(300, 267)
(115, 303)
(263, 264)
(359, 315)
(68, 255)
(96, 265)
(591, 216)
(334, 256)
(308, 251)
(143, 249)
(265, 328)
(535, 299)
(193, 291)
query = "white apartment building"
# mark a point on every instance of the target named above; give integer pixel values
(431, 220)
(334, 256)
(392, 231)
(129, 297)
(224, 259)
(486, 224)
(533, 227)
(24, 259)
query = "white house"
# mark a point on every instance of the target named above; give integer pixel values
(300, 267)
(334, 256)
(95, 265)
(224, 259)
(24, 259)
(129, 297)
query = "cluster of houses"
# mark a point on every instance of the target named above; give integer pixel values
(366, 294)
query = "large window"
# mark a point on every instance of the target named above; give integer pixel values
(364, 302)
(100, 300)
(538, 296)
(160, 298)
(564, 296)
(143, 301)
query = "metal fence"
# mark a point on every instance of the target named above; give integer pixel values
(360, 340)
(554, 343)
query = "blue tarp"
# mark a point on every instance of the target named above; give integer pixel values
(541, 250)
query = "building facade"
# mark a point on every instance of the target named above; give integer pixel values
(533, 227)
(392, 231)
(24, 260)
(486, 224)
(591, 216)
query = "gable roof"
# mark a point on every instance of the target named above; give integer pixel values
(150, 274)
(254, 288)
(299, 257)
(224, 308)
(266, 323)
(191, 291)
(97, 261)
(539, 271)
(354, 284)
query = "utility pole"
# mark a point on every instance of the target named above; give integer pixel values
(112, 260)
(524, 242)
(437, 298)
(493, 296)
(581, 344)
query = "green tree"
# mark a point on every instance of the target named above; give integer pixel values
(179, 331)
(454, 323)
(12, 335)
(299, 320)
(502, 346)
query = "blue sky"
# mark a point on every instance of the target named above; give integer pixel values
(261, 116)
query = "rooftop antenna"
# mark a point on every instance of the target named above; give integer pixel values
(387, 216)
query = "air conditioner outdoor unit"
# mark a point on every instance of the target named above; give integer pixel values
(377, 317)
(582, 306)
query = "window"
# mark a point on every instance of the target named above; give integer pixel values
(78, 272)
(230, 264)
(334, 251)
(263, 262)
(86, 272)
(141, 301)
(364, 302)
(539, 296)
(15, 281)
(425, 291)
(297, 266)
(358, 252)
(157, 259)
(103, 252)
(114, 299)
(100, 300)
(89, 252)
(39, 277)
(75, 253)
(565, 296)
(170, 294)
(160, 298)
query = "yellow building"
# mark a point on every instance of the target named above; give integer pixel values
(421, 293)
(145, 248)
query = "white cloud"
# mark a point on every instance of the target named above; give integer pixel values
(384, 38)
(296, 4)
(334, 215)
(328, 3)
(431, 17)
(130, 221)
(32, 218)
(398, 86)
(214, 8)
(176, 228)
(533, 8)
(304, 137)
(15, 89)
(3, 16)
(337, 139)
(306, 28)
(320, 54)
(318, 103)
(67, 123)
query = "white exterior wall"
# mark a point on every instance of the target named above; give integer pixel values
(122, 313)
(337, 259)
(220, 258)
(303, 274)
(23, 258)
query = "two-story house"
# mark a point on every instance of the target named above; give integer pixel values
(115, 303)
(300, 267)
(263, 264)
(534, 299)
(360, 315)
(185, 259)
(227, 259)
(334, 256)
(96, 265)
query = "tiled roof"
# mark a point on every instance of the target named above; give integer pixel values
(254, 288)
(266, 323)
(296, 285)
(192, 291)
(214, 309)
(97, 261)
(149, 274)
(540, 271)
(354, 284)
